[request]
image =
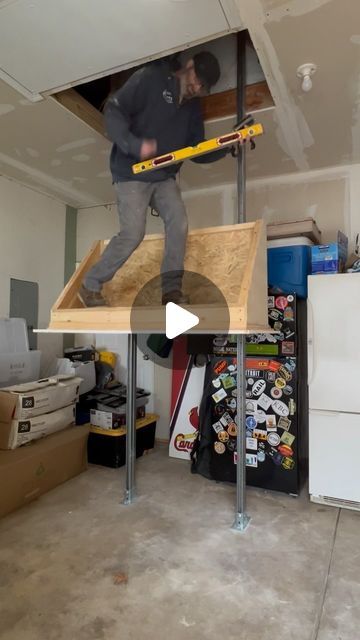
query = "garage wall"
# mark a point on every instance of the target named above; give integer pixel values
(32, 245)
(331, 197)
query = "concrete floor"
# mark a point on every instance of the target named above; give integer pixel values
(293, 574)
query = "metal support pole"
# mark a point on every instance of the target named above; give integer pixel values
(241, 519)
(131, 420)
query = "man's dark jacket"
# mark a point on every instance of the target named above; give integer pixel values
(147, 106)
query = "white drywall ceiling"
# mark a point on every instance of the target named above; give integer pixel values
(51, 44)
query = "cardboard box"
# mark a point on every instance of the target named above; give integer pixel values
(330, 258)
(16, 433)
(111, 420)
(34, 398)
(29, 472)
(307, 228)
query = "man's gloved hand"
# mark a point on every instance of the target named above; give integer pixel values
(148, 149)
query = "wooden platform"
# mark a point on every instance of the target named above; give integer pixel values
(232, 257)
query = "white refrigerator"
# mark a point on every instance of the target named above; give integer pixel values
(334, 389)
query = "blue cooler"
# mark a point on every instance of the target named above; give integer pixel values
(289, 264)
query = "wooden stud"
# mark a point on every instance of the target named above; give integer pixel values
(223, 104)
(74, 102)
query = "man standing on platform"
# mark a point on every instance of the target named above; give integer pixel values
(156, 111)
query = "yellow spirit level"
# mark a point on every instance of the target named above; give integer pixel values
(200, 149)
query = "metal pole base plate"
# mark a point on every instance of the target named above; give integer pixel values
(241, 522)
(129, 497)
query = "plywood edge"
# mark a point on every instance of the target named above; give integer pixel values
(258, 289)
(202, 231)
(68, 295)
(250, 264)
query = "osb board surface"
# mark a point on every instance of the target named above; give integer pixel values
(220, 256)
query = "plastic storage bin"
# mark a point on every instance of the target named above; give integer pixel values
(289, 264)
(107, 447)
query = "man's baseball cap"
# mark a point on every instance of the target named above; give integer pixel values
(206, 68)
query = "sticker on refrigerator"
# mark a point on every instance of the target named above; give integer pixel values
(264, 401)
(280, 383)
(219, 409)
(216, 383)
(251, 423)
(254, 373)
(273, 365)
(260, 416)
(223, 436)
(232, 430)
(251, 460)
(217, 426)
(290, 365)
(258, 388)
(231, 445)
(292, 407)
(276, 393)
(287, 348)
(270, 376)
(261, 456)
(285, 373)
(288, 464)
(229, 382)
(284, 423)
(275, 314)
(278, 325)
(219, 395)
(270, 421)
(285, 450)
(219, 447)
(220, 366)
(281, 303)
(280, 408)
(250, 381)
(260, 434)
(288, 390)
(251, 407)
(273, 439)
(226, 419)
(251, 444)
(288, 314)
(290, 298)
(271, 301)
(287, 438)
(231, 404)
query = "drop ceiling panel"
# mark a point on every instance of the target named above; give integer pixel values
(48, 44)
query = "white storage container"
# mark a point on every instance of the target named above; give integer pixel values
(19, 367)
(13, 335)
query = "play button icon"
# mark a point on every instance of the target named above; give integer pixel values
(159, 326)
(178, 320)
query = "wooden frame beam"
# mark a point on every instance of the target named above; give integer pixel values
(217, 105)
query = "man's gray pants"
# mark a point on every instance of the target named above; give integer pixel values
(133, 199)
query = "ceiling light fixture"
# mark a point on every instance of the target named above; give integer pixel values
(305, 71)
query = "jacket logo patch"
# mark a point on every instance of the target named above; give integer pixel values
(168, 96)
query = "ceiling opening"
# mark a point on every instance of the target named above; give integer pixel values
(87, 100)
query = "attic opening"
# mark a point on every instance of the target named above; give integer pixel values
(87, 100)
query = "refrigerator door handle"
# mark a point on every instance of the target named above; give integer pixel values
(327, 414)
(310, 341)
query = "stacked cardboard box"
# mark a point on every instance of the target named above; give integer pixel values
(31, 414)
(35, 409)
